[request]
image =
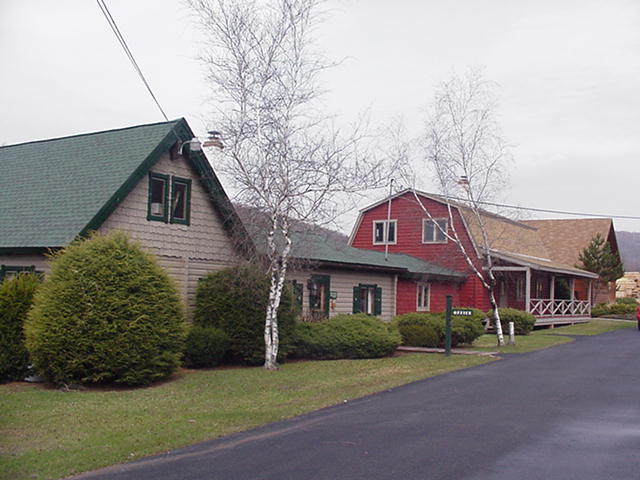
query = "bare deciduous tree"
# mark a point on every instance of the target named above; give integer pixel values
(280, 153)
(465, 149)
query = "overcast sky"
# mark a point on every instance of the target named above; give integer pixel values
(568, 75)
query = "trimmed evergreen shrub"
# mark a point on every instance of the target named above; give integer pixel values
(604, 309)
(107, 312)
(465, 330)
(16, 297)
(346, 336)
(420, 329)
(428, 329)
(205, 347)
(627, 301)
(420, 335)
(235, 301)
(523, 322)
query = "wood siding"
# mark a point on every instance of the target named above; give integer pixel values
(342, 282)
(187, 252)
(409, 216)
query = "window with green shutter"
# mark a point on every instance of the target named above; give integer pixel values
(180, 200)
(367, 299)
(318, 287)
(158, 207)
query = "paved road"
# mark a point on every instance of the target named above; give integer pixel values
(569, 412)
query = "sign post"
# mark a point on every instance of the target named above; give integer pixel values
(447, 326)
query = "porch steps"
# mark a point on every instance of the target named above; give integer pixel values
(454, 351)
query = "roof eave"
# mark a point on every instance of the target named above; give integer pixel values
(545, 268)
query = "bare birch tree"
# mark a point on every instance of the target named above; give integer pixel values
(465, 149)
(280, 153)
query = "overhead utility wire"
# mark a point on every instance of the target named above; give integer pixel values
(532, 209)
(125, 47)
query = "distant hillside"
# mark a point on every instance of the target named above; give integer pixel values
(629, 244)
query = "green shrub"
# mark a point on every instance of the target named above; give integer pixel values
(420, 335)
(420, 329)
(235, 300)
(16, 297)
(346, 336)
(428, 329)
(604, 309)
(523, 322)
(465, 330)
(205, 347)
(107, 312)
(627, 301)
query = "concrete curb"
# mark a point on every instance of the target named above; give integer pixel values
(454, 351)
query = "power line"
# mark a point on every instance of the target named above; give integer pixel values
(125, 47)
(561, 212)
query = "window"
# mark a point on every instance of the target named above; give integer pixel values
(433, 231)
(180, 200)
(7, 271)
(423, 297)
(160, 190)
(520, 288)
(539, 288)
(367, 299)
(382, 228)
(318, 287)
(158, 197)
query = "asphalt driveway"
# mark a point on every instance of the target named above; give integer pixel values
(568, 412)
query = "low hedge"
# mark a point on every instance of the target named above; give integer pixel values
(628, 301)
(603, 309)
(428, 329)
(205, 347)
(523, 322)
(346, 336)
(16, 297)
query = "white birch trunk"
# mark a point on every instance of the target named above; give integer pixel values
(278, 274)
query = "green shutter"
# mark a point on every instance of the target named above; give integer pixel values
(298, 293)
(356, 300)
(378, 301)
(327, 299)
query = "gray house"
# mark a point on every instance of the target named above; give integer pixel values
(135, 179)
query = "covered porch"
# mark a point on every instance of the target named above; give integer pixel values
(553, 293)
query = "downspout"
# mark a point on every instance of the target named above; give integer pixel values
(388, 225)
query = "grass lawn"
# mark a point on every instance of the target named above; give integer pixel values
(594, 327)
(47, 433)
(539, 339)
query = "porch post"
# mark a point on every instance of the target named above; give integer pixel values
(527, 290)
(573, 286)
(553, 294)
(590, 300)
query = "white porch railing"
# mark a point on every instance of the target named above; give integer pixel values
(545, 307)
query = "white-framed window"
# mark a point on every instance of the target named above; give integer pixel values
(539, 288)
(520, 288)
(433, 231)
(384, 229)
(423, 297)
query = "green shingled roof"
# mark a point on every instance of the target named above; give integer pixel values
(323, 248)
(54, 190)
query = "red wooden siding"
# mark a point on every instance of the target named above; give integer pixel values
(409, 216)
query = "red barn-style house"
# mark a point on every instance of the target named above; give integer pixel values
(527, 276)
